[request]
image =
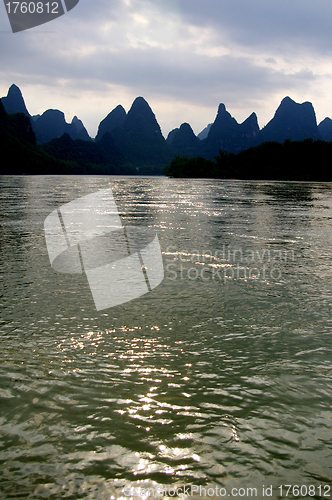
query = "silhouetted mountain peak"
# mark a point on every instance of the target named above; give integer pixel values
(287, 101)
(292, 121)
(227, 134)
(78, 131)
(183, 140)
(141, 118)
(55, 114)
(250, 128)
(140, 139)
(204, 133)
(221, 131)
(185, 132)
(325, 129)
(221, 108)
(171, 135)
(224, 121)
(287, 105)
(14, 91)
(52, 125)
(77, 123)
(139, 105)
(252, 119)
(114, 119)
(326, 122)
(14, 102)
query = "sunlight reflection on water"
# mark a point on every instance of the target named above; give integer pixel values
(202, 381)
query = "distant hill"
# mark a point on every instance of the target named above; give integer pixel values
(52, 125)
(21, 155)
(114, 119)
(184, 141)
(292, 121)
(204, 133)
(228, 135)
(14, 102)
(140, 139)
(19, 152)
(78, 130)
(325, 129)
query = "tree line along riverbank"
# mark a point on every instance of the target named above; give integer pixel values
(292, 160)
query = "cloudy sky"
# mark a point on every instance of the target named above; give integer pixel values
(183, 56)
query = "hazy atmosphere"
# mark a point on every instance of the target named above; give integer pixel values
(183, 56)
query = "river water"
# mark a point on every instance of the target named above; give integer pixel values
(219, 379)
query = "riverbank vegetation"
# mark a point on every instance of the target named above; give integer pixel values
(293, 160)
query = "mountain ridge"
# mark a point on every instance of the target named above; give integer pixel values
(135, 137)
(50, 125)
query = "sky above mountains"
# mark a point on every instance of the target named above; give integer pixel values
(183, 56)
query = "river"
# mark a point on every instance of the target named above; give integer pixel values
(217, 380)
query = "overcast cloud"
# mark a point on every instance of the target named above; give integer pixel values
(183, 56)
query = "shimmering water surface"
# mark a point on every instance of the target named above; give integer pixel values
(219, 377)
